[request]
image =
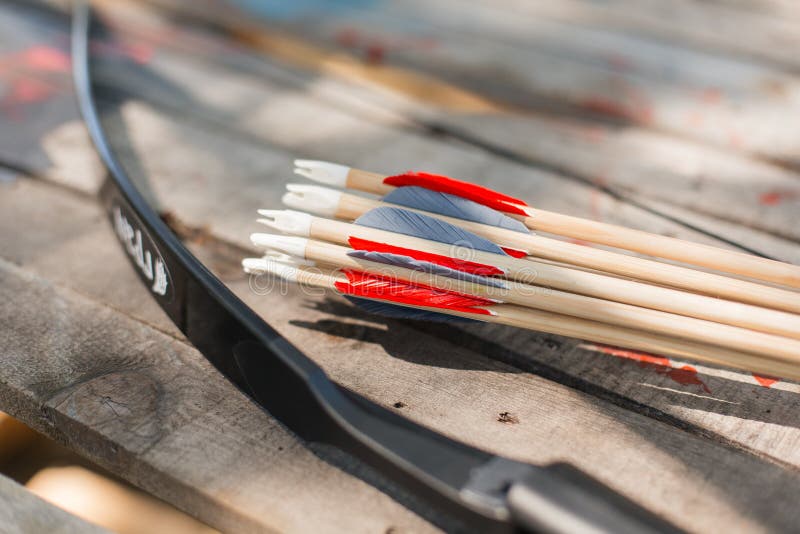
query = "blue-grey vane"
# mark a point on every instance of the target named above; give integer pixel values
(452, 206)
(415, 224)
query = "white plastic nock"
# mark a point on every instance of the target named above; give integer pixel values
(261, 266)
(294, 246)
(287, 221)
(314, 198)
(322, 171)
(274, 255)
(254, 265)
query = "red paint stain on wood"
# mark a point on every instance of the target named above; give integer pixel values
(687, 375)
(606, 106)
(684, 375)
(37, 58)
(372, 49)
(29, 90)
(46, 58)
(777, 196)
(31, 73)
(25, 91)
(711, 96)
(375, 48)
(375, 53)
(765, 381)
(639, 110)
(21, 70)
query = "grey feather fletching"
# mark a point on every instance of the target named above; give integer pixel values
(452, 206)
(415, 224)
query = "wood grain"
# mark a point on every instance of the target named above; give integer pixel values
(635, 159)
(89, 359)
(655, 167)
(633, 78)
(152, 410)
(149, 408)
(758, 31)
(240, 193)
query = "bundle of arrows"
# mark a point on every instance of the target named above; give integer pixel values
(436, 248)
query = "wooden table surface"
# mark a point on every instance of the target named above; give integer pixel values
(679, 118)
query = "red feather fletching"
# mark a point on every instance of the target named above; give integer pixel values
(451, 186)
(379, 287)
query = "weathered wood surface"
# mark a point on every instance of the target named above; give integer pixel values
(709, 450)
(730, 101)
(149, 408)
(635, 157)
(764, 32)
(393, 146)
(123, 392)
(23, 512)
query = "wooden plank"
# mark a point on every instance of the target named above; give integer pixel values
(228, 201)
(775, 8)
(648, 167)
(654, 167)
(61, 229)
(22, 511)
(227, 214)
(201, 445)
(150, 409)
(440, 378)
(37, 101)
(34, 84)
(257, 119)
(635, 162)
(539, 63)
(246, 190)
(726, 28)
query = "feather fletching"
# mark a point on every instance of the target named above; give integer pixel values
(452, 206)
(414, 224)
